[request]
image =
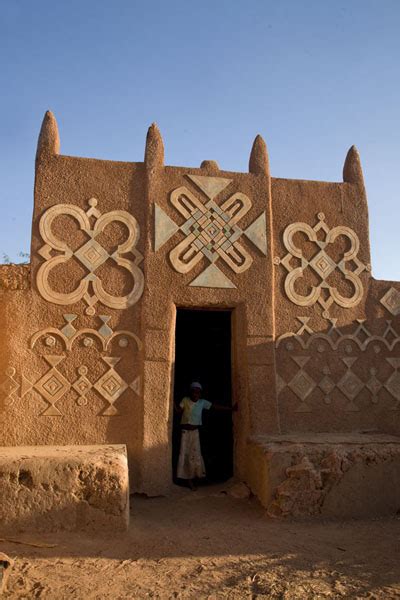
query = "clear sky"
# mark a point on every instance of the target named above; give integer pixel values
(312, 77)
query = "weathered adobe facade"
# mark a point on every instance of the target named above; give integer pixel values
(88, 328)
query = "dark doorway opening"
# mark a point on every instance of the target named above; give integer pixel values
(203, 353)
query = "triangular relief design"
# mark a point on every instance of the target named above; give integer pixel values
(212, 277)
(257, 233)
(165, 227)
(211, 186)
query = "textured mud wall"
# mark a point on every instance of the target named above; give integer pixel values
(210, 232)
(88, 328)
(326, 475)
(69, 487)
(72, 360)
(337, 329)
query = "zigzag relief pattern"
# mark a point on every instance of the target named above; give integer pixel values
(53, 385)
(349, 384)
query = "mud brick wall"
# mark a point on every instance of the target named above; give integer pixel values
(88, 328)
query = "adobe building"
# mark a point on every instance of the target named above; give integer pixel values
(144, 276)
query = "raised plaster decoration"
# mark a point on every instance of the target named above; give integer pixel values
(393, 383)
(257, 233)
(91, 255)
(165, 227)
(68, 334)
(9, 388)
(52, 386)
(211, 231)
(110, 385)
(322, 264)
(211, 186)
(302, 384)
(350, 384)
(391, 301)
(212, 277)
(361, 336)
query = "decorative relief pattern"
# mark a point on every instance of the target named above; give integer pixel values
(361, 336)
(391, 301)
(349, 384)
(53, 385)
(91, 255)
(9, 388)
(322, 265)
(211, 231)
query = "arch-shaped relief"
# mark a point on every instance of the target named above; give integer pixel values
(91, 255)
(59, 344)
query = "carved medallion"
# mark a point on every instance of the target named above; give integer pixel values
(211, 231)
(91, 255)
(322, 265)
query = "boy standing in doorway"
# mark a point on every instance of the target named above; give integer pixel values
(190, 462)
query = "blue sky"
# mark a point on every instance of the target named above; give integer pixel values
(312, 77)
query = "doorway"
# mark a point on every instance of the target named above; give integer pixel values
(203, 353)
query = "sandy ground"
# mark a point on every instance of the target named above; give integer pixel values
(206, 544)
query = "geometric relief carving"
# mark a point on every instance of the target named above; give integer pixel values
(302, 384)
(322, 265)
(391, 301)
(210, 231)
(9, 388)
(335, 337)
(91, 255)
(53, 385)
(350, 385)
(393, 383)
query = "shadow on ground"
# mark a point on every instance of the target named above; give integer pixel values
(208, 544)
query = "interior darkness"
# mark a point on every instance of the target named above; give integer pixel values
(203, 353)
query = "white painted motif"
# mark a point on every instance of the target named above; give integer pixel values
(322, 265)
(91, 255)
(211, 231)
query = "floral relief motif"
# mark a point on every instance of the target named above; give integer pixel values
(91, 255)
(322, 265)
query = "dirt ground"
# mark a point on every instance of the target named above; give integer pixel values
(207, 544)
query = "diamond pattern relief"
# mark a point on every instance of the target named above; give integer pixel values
(391, 301)
(92, 255)
(327, 385)
(82, 385)
(52, 386)
(110, 385)
(393, 385)
(350, 385)
(302, 385)
(323, 264)
(374, 385)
